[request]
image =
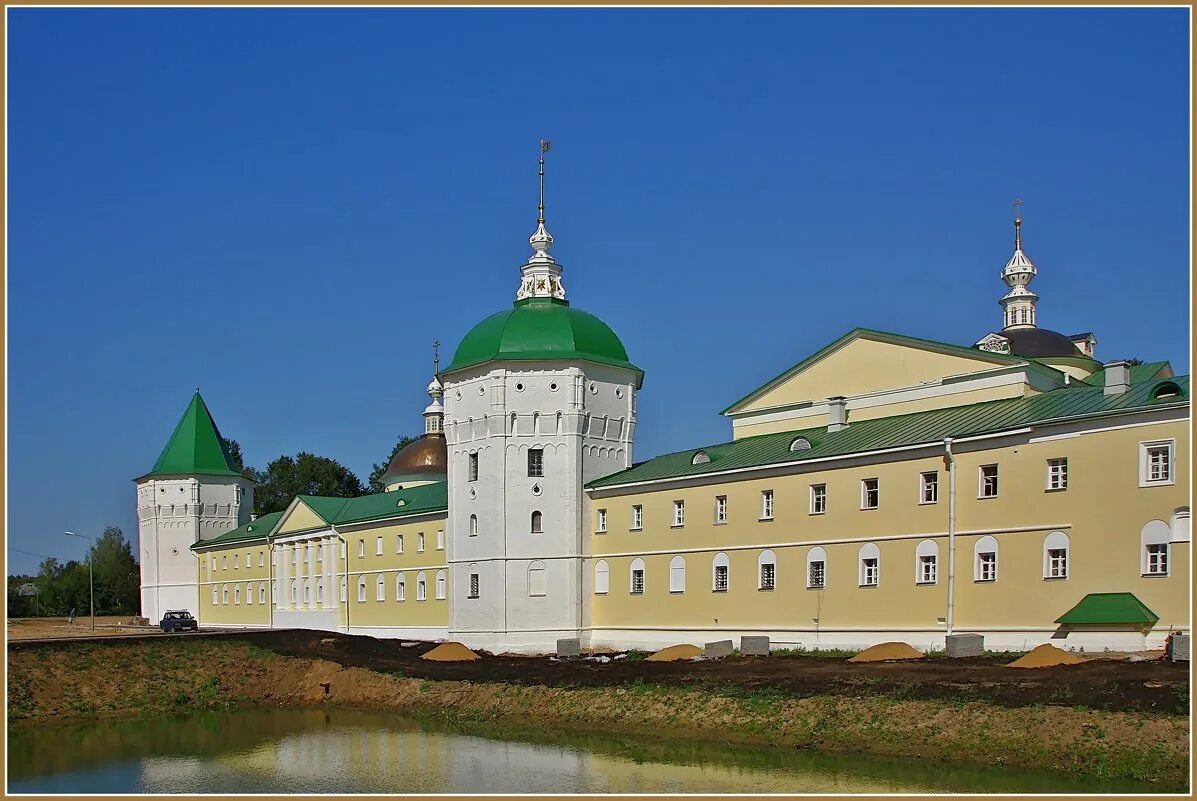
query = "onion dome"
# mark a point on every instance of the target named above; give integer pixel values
(420, 462)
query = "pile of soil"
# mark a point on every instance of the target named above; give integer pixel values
(450, 652)
(675, 652)
(888, 652)
(1046, 655)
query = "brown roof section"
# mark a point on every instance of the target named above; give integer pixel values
(427, 455)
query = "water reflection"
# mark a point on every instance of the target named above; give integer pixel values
(347, 751)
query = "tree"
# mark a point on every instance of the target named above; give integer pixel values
(234, 449)
(116, 574)
(376, 474)
(1134, 362)
(305, 474)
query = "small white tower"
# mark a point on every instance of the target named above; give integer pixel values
(1018, 305)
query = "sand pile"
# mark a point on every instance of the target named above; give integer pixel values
(1046, 655)
(450, 652)
(675, 652)
(887, 652)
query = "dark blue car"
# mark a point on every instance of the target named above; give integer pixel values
(179, 620)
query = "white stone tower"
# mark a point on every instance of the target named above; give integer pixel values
(192, 493)
(539, 399)
(1018, 305)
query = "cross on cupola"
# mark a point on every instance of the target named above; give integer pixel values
(1018, 305)
(541, 274)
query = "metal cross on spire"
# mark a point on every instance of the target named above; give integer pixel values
(1017, 223)
(545, 145)
(436, 357)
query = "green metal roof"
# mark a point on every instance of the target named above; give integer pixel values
(898, 339)
(538, 329)
(195, 447)
(326, 508)
(1109, 608)
(1138, 372)
(423, 499)
(928, 427)
(258, 529)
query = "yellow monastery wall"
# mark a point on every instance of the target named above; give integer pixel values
(432, 611)
(1103, 511)
(238, 575)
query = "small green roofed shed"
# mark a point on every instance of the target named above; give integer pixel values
(1109, 608)
(195, 447)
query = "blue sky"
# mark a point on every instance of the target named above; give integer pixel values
(286, 207)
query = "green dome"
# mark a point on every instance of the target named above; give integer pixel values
(539, 329)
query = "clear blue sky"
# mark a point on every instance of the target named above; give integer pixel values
(286, 207)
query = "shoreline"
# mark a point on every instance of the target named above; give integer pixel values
(65, 684)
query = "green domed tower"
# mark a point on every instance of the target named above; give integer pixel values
(539, 399)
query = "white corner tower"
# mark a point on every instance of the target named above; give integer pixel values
(539, 399)
(1018, 305)
(191, 494)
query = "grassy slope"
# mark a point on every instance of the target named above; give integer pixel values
(98, 680)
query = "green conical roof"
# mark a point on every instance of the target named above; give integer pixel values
(196, 447)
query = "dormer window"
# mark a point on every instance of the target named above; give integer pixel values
(702, 457)
(1168, 389)
(800, 444)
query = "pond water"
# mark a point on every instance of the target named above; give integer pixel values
(349, 751)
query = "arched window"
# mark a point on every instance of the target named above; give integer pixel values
(440, 585)
(677, 574)
(985, 559)
(926, 562)
(380, 588)
(636, 575)
(1055, 555)
(720, 568)
(1156, 550)
(766, 570)
(215, 595)
(294, 592)
(535, 422)
(421, 586)
(702, 457)
(274, 596)
(514, 418)
(537, 524)
(559, 429)
(262, 593)
(361, 589)
(473, 525)
(307, 592)
(538, 580)
(816, 568)
(400, 587)
(602, 578)
(870, 565)
(236, 593)
(249, 593)
(800, 444)
(224, 594)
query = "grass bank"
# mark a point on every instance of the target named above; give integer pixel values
(105, 680)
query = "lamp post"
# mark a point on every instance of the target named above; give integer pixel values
(91, 583)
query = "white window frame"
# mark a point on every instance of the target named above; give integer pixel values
(869, 565)
(1145, 449)
(378, 546)
(473, 525)
(398, 543)
(983, 481)
(818, 499)
(929, 479)
(927, 549)
(602, 577)
(767, 504)
(536, 462)
(637, 567)
(1053, 542)
(421, 586)
(473, 592)
(864, 493)
(984, 546)
(1156, 533)
(766, 559)
(441, 585)
(720, 510)
(380, 588)
(720, 562)
(677, 574)
(1057, 474)
(440, 539)
(679, 514)
(637, 518)
(816, 555)
(601, 525)
(400, 588)
(361, 589)
(361, 549)
(262, 593)
(420, 542)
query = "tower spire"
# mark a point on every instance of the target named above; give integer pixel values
(1018, 305)
(541, 274)
(434, 413)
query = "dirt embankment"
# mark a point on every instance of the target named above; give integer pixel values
(96, 680)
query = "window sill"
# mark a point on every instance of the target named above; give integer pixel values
(599, 593)
(601, 531)
(723, 590)
(868, 586)
(1155, 575)
(925, 583)
(929, 503)
(677, 592)
(817, 589)
(638, 528)
(635, 593)
(719, 523)
(678, 525)
(1055, 489)
(1055, 578)
(815, 514)
(765, 589)
(869, 508)
(984, 581)
(1145, 484)
(764, 520)
(986, 497)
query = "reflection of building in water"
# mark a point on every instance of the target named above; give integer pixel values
(383, 760)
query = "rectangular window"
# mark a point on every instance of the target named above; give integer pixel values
(361, 549)
(473, 585)
(720, 509)
(398, 543)
(420, 542)
(988, 477)
(440, 540)
(927, 570)
(536, 462)
(378, 546)
(929, 487)
(870, 494)
(767, 505)
(818, 499)
(816, 575)
(679, 513)
(1155, 463)
(602, 520)
(987, 566)
(261, 558)
(720, 578)
(473, 467)
(236, 561)
(768, 575)
(1157, 559)
(1057, 563)
(870, 572)
(637, 582)
(637, 517)
(1057, 474)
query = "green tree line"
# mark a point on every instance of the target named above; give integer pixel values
(63, 586)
